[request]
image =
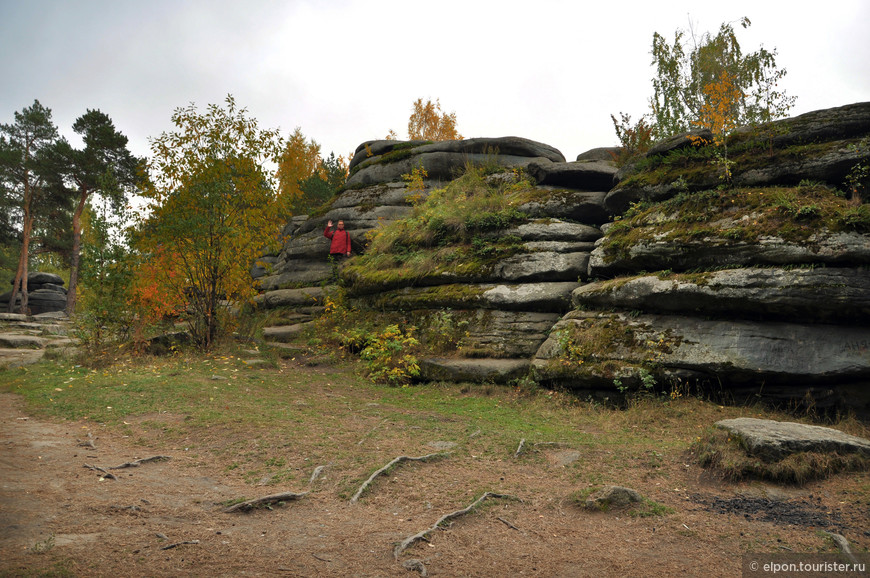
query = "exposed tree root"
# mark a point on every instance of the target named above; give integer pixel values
(137, 463)
(415, 564)
(264, 501)
(316, 473)
(386, 468)
(520, 448)
(105, 474)
(88, 443)
(843, 544)
(175, 545)
(424, 535)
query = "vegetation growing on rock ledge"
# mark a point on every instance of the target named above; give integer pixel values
(739, 215)
(693, 166)
(448, 236)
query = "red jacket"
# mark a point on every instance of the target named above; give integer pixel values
(340, 241)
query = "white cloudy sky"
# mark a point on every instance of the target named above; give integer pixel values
(347, 71)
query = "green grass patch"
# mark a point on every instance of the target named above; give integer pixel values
(650, 509)
(277, 428)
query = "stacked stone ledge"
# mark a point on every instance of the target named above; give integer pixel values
(774, 318)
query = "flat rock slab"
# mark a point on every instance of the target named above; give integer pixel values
(564, 458)
(283, 332)
(10, 358)
(823, 295)
(739, 352)
(474, 370)
(18, 341)
(292, 297)
(12, 317)
(774, 440)
(442, 445)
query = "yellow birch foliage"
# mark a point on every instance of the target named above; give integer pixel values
(299, 160)
(720, 112)
(721, 108)
(428, 122)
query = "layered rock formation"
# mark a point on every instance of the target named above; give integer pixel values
(45, 294)
(506, 308)
(650, 277)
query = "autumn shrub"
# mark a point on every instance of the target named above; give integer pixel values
(444, 331)
(635, 139)
(389, 356)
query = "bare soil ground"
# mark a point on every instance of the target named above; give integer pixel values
(166, 518)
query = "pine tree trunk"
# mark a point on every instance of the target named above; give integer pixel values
(19, 285)
(76, 250)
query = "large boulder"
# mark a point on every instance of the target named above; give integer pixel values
(773, 440)
(581, 206)
(506, 334)
(372, 152)
(823, 145)
(551, 229)
(829, 162)
(473, 370)
(45, 294)
(605, 154)
(543, 266)
(386, 161)
(829, 124)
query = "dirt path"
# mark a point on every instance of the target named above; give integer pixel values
(57, 514)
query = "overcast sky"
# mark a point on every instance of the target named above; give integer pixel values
(347, 71)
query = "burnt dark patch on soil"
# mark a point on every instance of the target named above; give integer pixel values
(808, 512)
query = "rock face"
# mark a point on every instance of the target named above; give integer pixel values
(767, 293)
(774, 440)
(45, 294)
(507, 308)
(827, 295)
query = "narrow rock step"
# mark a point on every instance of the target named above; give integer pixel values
(19, 341)
(12, 317)
(473, 370)
(60, 342)
(284, 333)
(286, 350)
(10, 358)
